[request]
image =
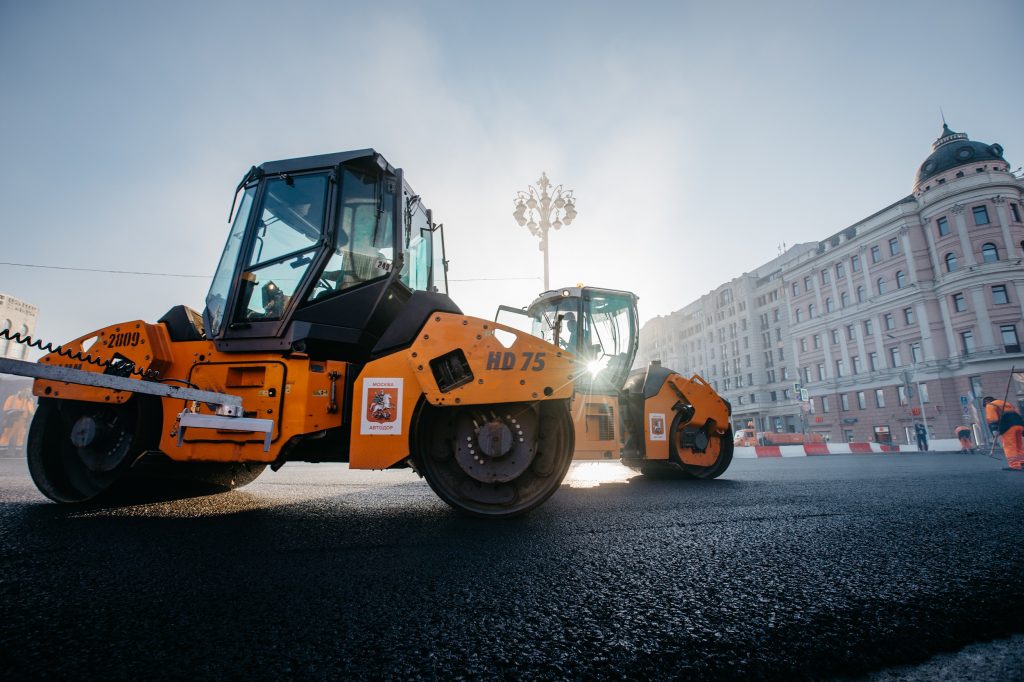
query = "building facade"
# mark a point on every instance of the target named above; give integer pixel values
(909, 316)
(16, 317)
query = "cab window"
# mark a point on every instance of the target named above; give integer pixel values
(288, 231)
(364, 245)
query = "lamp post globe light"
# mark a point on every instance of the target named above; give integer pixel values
(542, 207)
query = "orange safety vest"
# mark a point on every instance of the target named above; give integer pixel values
(996, 409)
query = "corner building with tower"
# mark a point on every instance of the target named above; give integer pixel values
(908, 316)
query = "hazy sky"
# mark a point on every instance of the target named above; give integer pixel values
(697, 136)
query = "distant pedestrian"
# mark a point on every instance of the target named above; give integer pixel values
(922, 437)
(966, 444)
(1004, 420)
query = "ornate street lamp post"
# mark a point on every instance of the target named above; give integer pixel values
(542, 207)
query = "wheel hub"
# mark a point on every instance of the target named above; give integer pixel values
(496, 448)
(495, 439)
(102, 445)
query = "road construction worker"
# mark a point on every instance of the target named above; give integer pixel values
(1004, 419)
(964, 434)
(17, 411)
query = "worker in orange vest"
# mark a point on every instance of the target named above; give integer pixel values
(17, 412)
(964, 434)
(1004, 419)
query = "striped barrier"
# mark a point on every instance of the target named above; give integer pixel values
(817, 449)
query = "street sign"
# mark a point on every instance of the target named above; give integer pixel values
(804, 395)
(963, 401)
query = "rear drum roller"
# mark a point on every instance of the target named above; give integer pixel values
(495, 461)
(78, 450)
(709, 443)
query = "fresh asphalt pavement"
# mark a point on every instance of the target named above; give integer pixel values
(851, 566)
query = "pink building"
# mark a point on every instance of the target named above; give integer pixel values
(910, 315)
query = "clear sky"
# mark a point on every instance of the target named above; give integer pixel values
(697, 136)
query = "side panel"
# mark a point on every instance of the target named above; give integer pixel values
(293, 391)
(383, 402)
(596, 418)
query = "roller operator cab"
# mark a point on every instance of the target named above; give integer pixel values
(328, 318)
(661, 423)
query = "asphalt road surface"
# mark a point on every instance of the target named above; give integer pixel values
(807, 568)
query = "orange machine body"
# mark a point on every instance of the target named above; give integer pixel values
(303, 396)
(659, 413)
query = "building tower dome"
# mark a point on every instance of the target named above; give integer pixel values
(954, 149)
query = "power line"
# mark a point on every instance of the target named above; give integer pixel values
(173, 274)
(112, 272)
(490, 279)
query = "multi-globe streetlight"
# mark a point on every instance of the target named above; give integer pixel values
(541, 207)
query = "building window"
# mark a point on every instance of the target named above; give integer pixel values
(901, 395)
(894, 247)
(894, 357)
(855, 263)
(840, 270)
(821, 371)
(817, 340)
(873, 361)
(901, 279)
(999, 296)
(967, 342)
(869, 328)
(879, 397)
(862, 401)
(796, 289)
(844, 402)
(943, 226)
(980, 215)
(915, 352)
(882, 288)
(989, 253)
(1011, 343)
(876, 254)
(774, 396)
(825, 277)
(959, 303)
(807, 283)
(824, 404)
(839, 368)
(844, 299)
(890, 322)
(811, 310)
(908, 315)
(951, 262)
(798, 314)
(851, 333)
(1016, 212)
(922, 392)
(855, 360)
(785, 394)
(860, 294)
(830, 307)
(834, 333)
(803, 345)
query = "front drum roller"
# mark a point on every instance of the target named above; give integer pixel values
(78, 450)
(495, 461)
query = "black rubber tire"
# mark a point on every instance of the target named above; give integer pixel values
(434, 458)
